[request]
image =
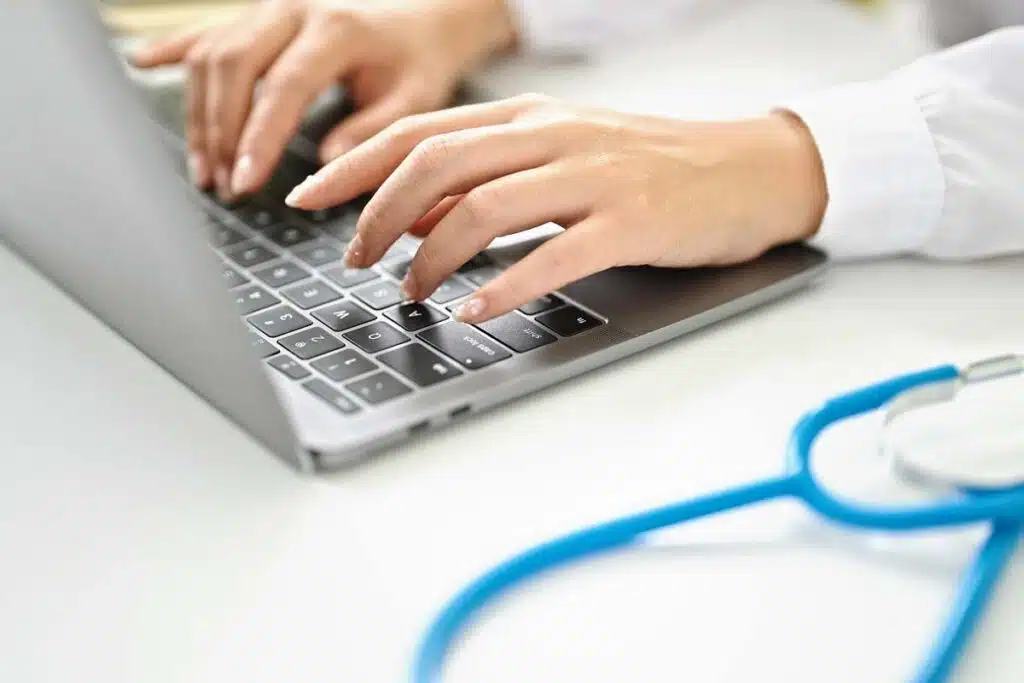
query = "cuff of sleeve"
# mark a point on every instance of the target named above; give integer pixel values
(555, 28)
(883, 174)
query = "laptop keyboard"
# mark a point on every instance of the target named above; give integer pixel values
(348, 336)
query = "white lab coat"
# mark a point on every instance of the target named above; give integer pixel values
(928, 161)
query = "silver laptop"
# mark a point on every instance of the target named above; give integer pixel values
(249, 304)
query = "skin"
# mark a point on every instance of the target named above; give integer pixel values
(628, 190)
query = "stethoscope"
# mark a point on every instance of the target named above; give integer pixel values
(998, 500)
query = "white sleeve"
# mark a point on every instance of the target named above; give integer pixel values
(575, 27)
(928, 161)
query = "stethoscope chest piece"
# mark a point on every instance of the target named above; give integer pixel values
(965, 433)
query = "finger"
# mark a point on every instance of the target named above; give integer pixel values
(517, 202)
(237, 61)
(309, 66)
(369, 121)
(171, 50)
(442, 166)
(370, 164)
(582, 250)
(423, 226)
(195, 119)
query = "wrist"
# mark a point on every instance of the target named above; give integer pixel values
(802, 172)
(473, 31)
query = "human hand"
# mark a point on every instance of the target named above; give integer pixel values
(629, 190)
(397, 57)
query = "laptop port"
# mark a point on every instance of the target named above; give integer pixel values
(419, 427)
(461, 411)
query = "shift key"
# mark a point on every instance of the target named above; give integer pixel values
(464, 344)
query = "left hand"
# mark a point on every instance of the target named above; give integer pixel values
(630, 190)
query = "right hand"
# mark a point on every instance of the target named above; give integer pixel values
(396, 57)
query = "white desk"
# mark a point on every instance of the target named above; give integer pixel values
(144, 539)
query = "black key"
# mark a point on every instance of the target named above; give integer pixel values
(419, 364)
(376, 337)
(344, 365)
(250, 255)
(415, 316)
(482, 276)
(349, 278)
(261, 346)
(544, 303)
(343, 315)
(252, 299)
(281, 274)
(311, 294)
(232, 278)
(291, 235)
(288, 366)
(328, 393)
(516, 332)
(478, 261)
(568, 321)
(379, 295)
(378, 388)
(223, 236)
(449, 290)
(256, 217)
(465, 344)
(278, 321)
(320, 253)
(311, 342)
(398, 267)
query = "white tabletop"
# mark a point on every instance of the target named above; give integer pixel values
(145, 538)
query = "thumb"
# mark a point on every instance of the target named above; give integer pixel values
(367, 122)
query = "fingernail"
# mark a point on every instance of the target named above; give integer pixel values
(303, 190)
(354, 254)
(409, 286)
(242, 177)
(223, 179)
(197, 169)
(471, 310)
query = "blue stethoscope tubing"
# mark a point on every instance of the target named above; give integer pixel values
(1003, 509)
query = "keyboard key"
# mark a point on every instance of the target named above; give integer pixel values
(398, 267)
(291, 235)
(320, 253)
(479, 261)
(379, 295)
(232, 278)
(376, 337)
(223, 236)
(253, 298)
(465, 344)
(343, 315)
(516, 332)
(249, 256)
(311, 294)
(281, 274)
(288, 367)
(415, 316)
(419, 364)
(328, 393)
(449, 290)
(311, 342)
(544, 303)
(255, 216)
(568, 321)
(278, 321)
(482, 276)
(344, 365)
(346, 277)
(378, 388)
(261, 346)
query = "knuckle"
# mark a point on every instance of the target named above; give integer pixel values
(480, 206)
(534, 100)
(290, 83)
(196, 58)
(430, 155)
(228, 57)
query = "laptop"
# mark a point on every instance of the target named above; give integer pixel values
(249, 304)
